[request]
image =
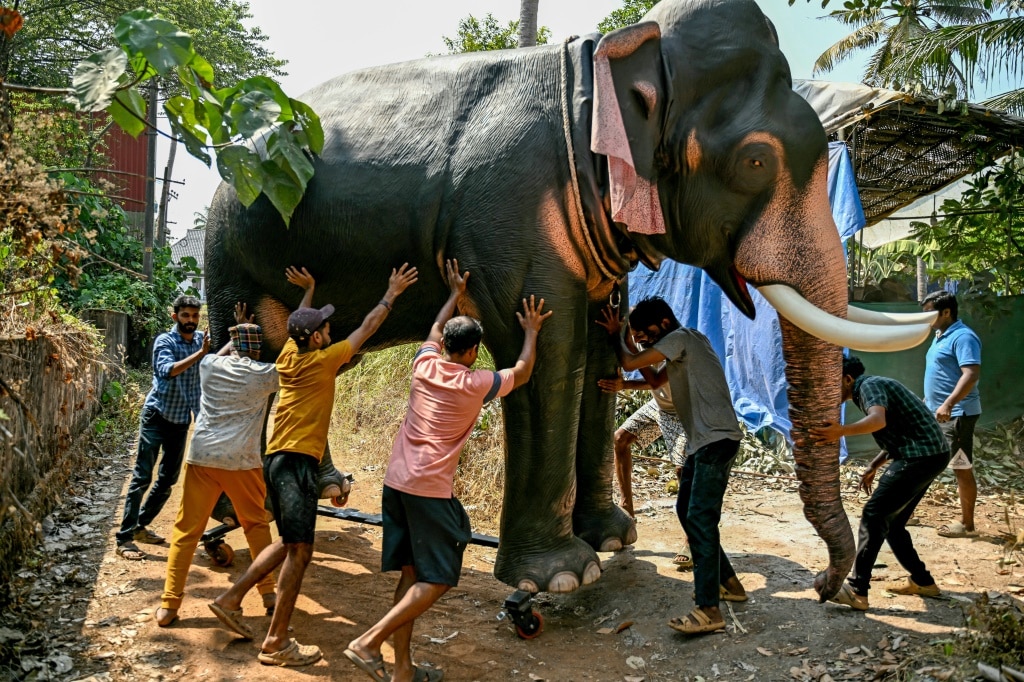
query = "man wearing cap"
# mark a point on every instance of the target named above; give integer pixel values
(224, 457)
(307, 366)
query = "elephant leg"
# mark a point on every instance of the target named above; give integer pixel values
(596, 518)
(332, 482)
(538, 549)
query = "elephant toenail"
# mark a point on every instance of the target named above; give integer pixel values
(591, 573)
(528, 586)
(611, 545)
(564, 582)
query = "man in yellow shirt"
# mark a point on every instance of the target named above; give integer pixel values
(307, 365)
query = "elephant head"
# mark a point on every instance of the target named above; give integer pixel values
(737, 163)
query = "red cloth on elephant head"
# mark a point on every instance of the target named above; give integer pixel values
(634, 199)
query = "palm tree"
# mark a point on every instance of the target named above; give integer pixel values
(891, 28)
(984, 51)
(528, 23)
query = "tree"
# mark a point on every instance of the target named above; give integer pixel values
(631, 12)
(56, 36)
(528, 23)
(476, 35)
(888, 28)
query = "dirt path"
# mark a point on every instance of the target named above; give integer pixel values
(95, 609)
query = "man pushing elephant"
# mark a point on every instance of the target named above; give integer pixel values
(426, 530)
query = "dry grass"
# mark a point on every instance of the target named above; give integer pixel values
(369, 407)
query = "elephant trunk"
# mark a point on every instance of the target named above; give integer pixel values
(796, 243)
(813, 367)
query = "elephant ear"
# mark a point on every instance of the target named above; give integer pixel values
(629, 100)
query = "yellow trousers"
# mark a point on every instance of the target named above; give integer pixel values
(199, 495)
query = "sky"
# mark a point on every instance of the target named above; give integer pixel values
(324, 38)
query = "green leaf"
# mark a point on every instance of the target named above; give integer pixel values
(97, 78)
(252, 112)
(283, 149)
(128, 109)
(181, 115)
(241, 168)
(162, 43)
(282, 189)
(310, 122)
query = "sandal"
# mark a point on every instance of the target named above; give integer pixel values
(956, 530)
(426, 674)
(725, 595)
(148, 537)
(293, 655)
(130, 551)
(683, 560)
(230, 619)
(696, 622)
(910, 587)
(848, 597)
(374, 667)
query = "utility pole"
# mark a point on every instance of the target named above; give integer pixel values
(147, 236)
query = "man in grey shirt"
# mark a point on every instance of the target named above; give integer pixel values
(702, 402)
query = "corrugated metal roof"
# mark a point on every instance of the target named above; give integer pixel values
(189, 245)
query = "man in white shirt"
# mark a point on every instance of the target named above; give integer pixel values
(225, 457)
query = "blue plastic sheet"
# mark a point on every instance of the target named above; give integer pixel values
(750, 350)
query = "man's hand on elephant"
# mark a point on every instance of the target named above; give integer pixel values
(400, 280)
(613, 385)
(206, 342)
(241, 316)
(829, 433)
(456, 282)
(610, 320)
(299, 277)
(532, 317)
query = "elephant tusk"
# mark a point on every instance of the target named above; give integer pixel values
(871, 338)
(855, 314)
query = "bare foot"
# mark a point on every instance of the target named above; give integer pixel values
(735, 587)
(165, 617)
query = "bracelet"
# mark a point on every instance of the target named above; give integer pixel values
(385, 304)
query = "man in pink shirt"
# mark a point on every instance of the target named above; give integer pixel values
(426, 530)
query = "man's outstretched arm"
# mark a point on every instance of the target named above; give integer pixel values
(300, 277)
(531, 320)
(457, 284)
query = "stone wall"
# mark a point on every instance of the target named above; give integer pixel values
(50, 390)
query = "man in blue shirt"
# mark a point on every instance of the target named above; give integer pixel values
(166, 415)
(952, 370)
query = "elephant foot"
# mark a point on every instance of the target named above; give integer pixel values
(828, 583)
(562, 569)
(334, 485)
(608, 532)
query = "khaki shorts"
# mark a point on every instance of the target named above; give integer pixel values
(650, 422)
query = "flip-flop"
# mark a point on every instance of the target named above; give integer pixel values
(956, 530)
(426, 674)
(683, 560)
(293, 655)
(230, 619)
(130, 551)
(725, 595)
(696, 622)
(374, 667)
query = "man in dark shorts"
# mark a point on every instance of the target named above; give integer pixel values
(307, 366)
(426, 530)
(952, 371)
(908, 434)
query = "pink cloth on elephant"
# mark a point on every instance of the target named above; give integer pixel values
(634, 199)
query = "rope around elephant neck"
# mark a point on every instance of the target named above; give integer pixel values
(567, 130)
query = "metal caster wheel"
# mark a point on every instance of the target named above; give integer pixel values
(531, 626)
(221, 554)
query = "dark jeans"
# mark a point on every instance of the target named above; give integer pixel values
(154, 432)
(897, 494)
(702, 484)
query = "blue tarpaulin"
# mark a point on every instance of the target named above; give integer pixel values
(750, 350)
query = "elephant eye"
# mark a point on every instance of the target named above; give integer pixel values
(757, 163)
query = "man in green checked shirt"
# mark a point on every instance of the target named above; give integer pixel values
(908, 434)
